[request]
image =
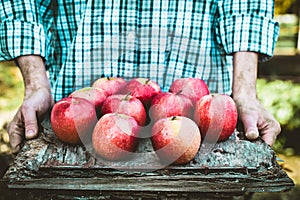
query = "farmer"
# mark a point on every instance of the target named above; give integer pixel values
(219, 41)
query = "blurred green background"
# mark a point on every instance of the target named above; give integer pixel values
(278, 89)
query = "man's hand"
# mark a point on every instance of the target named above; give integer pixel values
(37, 101)
(256, 119)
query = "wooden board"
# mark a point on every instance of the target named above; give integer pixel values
(233, 167)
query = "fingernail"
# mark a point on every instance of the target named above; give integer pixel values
(252, 135)
(29, 134)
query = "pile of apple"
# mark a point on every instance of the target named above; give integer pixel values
(113, 112)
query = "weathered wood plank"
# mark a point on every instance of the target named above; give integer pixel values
(151, 184)
(29, 172)
(39, 155)
(235, 166)
(74, 194)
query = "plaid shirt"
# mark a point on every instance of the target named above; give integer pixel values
(158, 39)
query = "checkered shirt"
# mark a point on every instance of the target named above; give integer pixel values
(163, 40)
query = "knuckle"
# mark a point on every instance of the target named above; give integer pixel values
(276, 128)
(16, 133)
(31, 126)
(10, 127)
(29, 121)
(26, 107)
(14, 129)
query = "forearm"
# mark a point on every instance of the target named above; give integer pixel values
(256, 119)
(34, 73)
(244, 75)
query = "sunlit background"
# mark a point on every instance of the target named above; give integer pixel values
(278, 88)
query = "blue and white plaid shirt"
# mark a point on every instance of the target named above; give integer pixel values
(158, 39)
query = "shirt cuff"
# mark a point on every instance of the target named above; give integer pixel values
(19, 38)
(248, 32)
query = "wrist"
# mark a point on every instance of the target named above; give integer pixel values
(34, 73)
(244, 94)
(241, 99)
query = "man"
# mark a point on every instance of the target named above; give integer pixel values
(219, 41)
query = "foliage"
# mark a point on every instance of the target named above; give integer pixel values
(282, 6)
(282, 99)
(11, 87)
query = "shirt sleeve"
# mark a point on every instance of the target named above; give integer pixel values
(247, 25)
(24, 28)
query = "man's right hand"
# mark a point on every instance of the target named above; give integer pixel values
(37, 101)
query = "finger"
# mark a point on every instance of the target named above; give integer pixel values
(270, 132)
(15, 131)
(250, 126)
(30, 121)
(269, 139)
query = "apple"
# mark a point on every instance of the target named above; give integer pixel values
(176, 139)
(110, 85)
(73, 120)
(142, 88)
(216, 115)
(125, 104)
(95, 96)
(115, 136)
(193, 88)
(167, 104)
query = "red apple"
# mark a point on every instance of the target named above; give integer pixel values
(216, 116)
(125, 104)
(142, 88)
(167, 104)
(95, 96)
(176, 139)
(194, 88)
(110, 85)
(73, 120)
(115, 136)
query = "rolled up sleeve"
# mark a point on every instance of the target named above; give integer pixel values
(22, 28)
(247, 26)
(21, 38)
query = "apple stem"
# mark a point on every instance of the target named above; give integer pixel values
(108, 78)
(178, 92)
(148, 80)
(173, 118)
(127, 96)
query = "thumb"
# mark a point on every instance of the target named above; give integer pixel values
(30, 121)
(250, 126)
